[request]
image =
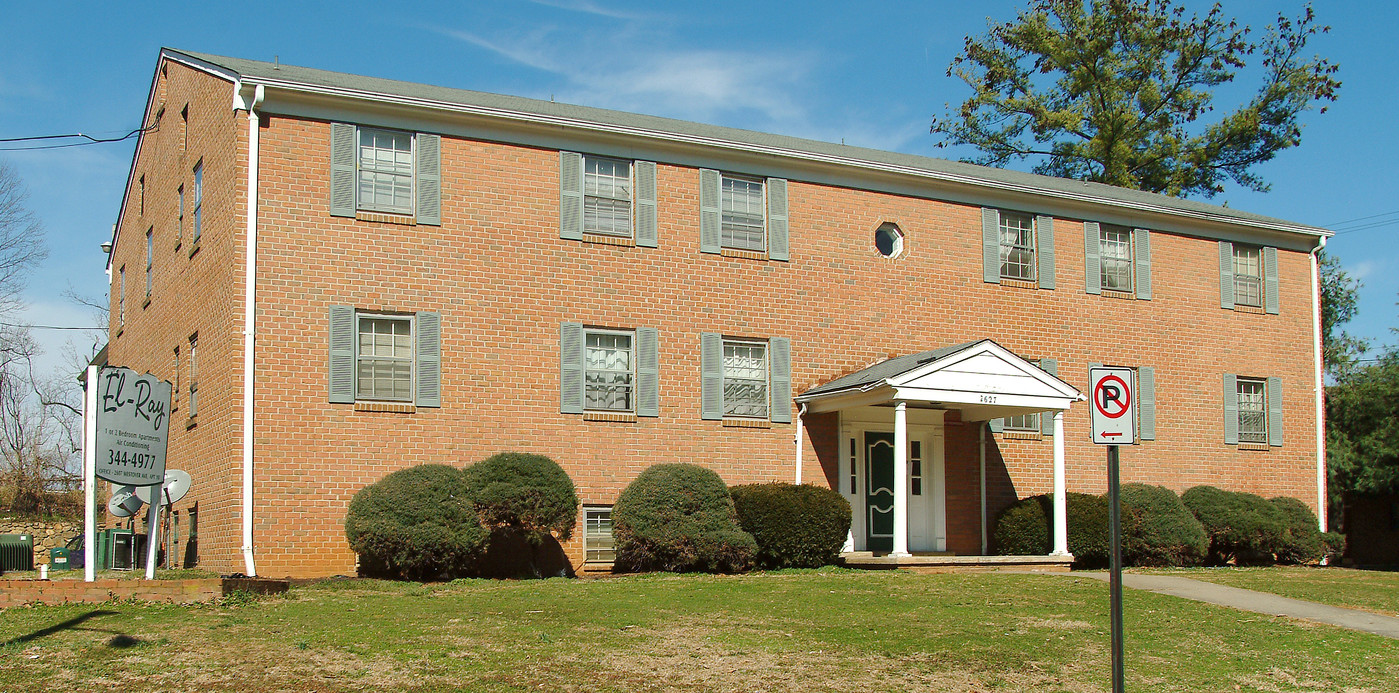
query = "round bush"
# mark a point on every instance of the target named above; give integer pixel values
(1302, 540)
(1243, 528)
(794, 526)
(679, 518)
(1023, 529)
(417, 523)
(524, 492)
(1158, 530)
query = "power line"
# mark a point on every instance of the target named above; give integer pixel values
(90, 140)
(48, 327)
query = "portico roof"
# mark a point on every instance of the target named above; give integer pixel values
(983, 380)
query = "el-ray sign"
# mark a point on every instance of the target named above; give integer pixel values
(133, 431)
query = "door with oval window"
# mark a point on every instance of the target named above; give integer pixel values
(879, 491)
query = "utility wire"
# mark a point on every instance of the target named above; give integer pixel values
(48, 327)
(90, 140)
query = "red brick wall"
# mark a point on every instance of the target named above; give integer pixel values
(503, 281)
(20, 592)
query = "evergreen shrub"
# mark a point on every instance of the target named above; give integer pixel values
(1243, 528)
(1025, 528)
(524, 492)
(1158, 530)
(1302, 540)
(679, 518)
(417, 523)
(795, 526)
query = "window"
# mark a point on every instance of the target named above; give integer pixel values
(150, 260)
(141, 195)
(742, 214)
(1017, 246)
(1248, 275)
(193, 375)
(597, 535)
(608, 371)
(1115, 246)
(915, 462)
(854, 469)
(385, 166)
(198, 201)
(607, 196)
(384, 359)
(1025, 423)
(745, 379)
(1253, 410)
(180, 216)
(184, 129)
(889, 240)
(175, 391)
(121, 297)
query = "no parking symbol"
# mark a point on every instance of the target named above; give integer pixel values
(1114, 420)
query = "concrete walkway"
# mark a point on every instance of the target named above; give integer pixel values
(1259, 602)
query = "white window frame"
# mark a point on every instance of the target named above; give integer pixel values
(1007, 249)
(150, 260)
(631, 370)
(1247, 285)
(360, 203)
(196, 213)
(596, 195)
(729, 226)
(411, 359)
(180, 216)
(121, 297)
(1110, 263)
(766, 380)
(193, 375)
(917, 467)
(1247, 406)
(604, 554)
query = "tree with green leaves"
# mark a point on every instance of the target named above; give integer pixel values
(1339, 303)
(1124, 92)
(1362, 438)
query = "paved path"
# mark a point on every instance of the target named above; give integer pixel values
(1260, 602)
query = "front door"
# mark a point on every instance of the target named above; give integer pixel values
(879, 491)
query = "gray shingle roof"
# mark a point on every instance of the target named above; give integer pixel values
(887, 369)
(259, 71)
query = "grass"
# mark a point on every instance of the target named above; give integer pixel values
(827, 630)
(1369, 590)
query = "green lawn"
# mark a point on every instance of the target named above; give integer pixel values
(830, 630)
(1370, 590)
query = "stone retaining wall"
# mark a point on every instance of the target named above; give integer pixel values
(47, 533)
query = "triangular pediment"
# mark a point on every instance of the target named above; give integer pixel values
(984, 368)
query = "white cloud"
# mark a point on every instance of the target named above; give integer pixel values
(1363, 269)
(586, 7)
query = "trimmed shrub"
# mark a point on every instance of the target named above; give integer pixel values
(1024, 528)
(794, 526)
(528, 493)
(1158, 530)
(1302, 540)
(1243, 528)
(679, 518)
(1333, 546)
(417, 523)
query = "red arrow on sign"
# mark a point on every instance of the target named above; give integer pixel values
(1105, 434)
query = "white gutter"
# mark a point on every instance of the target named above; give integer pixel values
(981, 446)
(249, 322)
(1320, 389)
(800, 413)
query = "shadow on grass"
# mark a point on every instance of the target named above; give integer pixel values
(74, 623)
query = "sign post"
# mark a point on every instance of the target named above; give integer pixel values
(132, 436)
(1114, 422)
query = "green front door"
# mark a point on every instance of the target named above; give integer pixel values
(879, 491)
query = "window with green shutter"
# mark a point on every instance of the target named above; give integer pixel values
(386, 171)
(385, 357)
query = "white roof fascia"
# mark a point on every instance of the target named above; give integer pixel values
(986, 346)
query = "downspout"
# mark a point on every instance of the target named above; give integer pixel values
(800, 413)
(1320, 390)
(249, 330)
(981, 434)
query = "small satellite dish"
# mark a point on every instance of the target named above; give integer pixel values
(124, 502)
(176, 485)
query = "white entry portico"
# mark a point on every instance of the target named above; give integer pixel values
(894, 411)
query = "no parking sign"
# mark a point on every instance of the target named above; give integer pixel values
(1114, 406)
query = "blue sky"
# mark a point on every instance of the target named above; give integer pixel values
(869, 74)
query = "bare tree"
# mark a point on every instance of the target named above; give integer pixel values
(21, 242)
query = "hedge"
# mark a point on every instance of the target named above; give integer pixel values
(417, 523)
(679, 518)
(1158, 530)
(1302, 540)
(1024, 528)
(528, 493)
(795, 526)
(1243, 528)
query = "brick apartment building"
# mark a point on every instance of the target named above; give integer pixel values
(345, 276)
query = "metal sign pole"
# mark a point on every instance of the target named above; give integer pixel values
(152, 538)
(90, 475)
(1115, 577)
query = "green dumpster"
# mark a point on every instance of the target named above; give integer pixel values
(58, 558)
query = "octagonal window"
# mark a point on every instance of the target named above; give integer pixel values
(889, 240)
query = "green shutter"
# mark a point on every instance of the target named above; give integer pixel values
(1275, 411)
(711, 375)
(1231, 409)
(1044, 250)
(709, 210)
(1092, 258)
(1270, 279)
(1050, 366)
(571, 196)
(342, 355)
(428, 161)
(990, 245)
(1226, 276)
(1142, 254)
(780, 379)
(996, 425)
(646, 235)
(428, 331)
(571, 350)
(1146, 402)
(648, 372)
(777, 219)
(342, 170)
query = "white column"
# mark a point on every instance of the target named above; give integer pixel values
(900, 479)
(90, 474)
(1061, 510)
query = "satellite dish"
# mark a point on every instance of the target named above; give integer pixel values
(176, 485)
(124, 502)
